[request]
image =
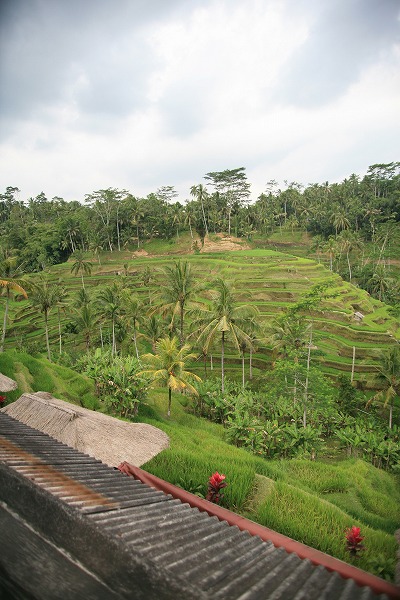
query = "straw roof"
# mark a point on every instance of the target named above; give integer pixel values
(7, 384)
(108, 439)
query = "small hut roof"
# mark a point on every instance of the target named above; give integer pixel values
(108, 439)
(7, 384)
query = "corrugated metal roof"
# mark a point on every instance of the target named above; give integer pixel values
(203, 556)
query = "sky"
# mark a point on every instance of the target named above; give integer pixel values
(140, 94)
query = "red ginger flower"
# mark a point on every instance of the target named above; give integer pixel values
(216, 479)
(354, 539)
(215, 485)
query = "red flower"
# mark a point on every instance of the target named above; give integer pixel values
(354, 539)
(216, 479)
(215, 485)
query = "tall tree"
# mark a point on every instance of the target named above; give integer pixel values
(179, 289)
(199, 192)
(106, 206)
(43, 296)
(9, 285)
(224, 320)
(233, 186)
(134, 311)
(389, 376)
(168, 367)
(86, 320)
(81, 265)
(109, 301)
(61, 306)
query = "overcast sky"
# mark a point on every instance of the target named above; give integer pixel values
(137, 94)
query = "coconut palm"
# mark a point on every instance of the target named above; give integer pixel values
(389, 376)
(61, 306)
(86, 320)
(167, 367)
(199, 192)
(339, 219)
(330, 248)
(82, 298)
(9, 286)
(348, 241)
(81, 265)
(109, 301)
(179, 289)
(288, 334)
(380, 283)
(152, 329)
(134, 310)
(224, 320)
(43, 296)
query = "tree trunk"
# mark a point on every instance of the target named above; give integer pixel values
(222, 362)
(169, 402)
(306, 384)
(135, 343)
(182, 309)
(46, 330)
(348, 262)
(113, 347)
(59, 332)
(352, 364)
(3, 336)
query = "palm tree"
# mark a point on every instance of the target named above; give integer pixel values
(153, 329)
(9, 285)
(200, 193)
(225, 320)
(177, 292)
(339, 219)
(86, 320)
(389, 375)
(252, 329)
(61, 305)
(330, 248)
(43, 296)
(109, 302)
(349, 240)
(380, 283)
(134, 310)
(288, 334)
(81, 265)
(96, 247)
(168, 368)
(136, 214)
(82, 298)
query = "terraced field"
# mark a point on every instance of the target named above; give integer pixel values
(271, 280)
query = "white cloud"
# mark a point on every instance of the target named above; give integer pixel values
(167, 99)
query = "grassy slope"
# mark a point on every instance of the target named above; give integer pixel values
(312, 502)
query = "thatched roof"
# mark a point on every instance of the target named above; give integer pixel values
(7, 384)
(108, 439)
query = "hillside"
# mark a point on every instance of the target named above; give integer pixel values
(312, 502)
(271, 280)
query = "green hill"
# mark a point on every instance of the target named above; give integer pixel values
(269, 279)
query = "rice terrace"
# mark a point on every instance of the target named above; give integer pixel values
(262, 338)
